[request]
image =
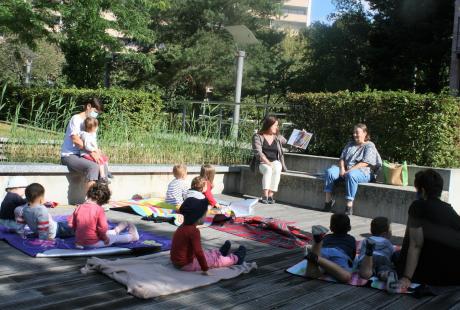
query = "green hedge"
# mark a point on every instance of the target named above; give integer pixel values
(422, 129)
(51, 108)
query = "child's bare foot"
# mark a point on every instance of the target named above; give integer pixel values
(120, 227)
(133, 232)
(319, 232)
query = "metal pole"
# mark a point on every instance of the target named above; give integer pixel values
(184, 115)
(28, 70)
(239, 81)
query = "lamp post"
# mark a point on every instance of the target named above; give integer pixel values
(239, 81)
(242, 36)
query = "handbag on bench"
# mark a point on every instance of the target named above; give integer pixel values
(395, 174)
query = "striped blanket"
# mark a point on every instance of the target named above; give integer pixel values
(157, 207)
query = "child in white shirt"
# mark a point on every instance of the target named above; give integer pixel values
(89, 138)
(177, 188)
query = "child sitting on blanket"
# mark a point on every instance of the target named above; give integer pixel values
(36, 216)
(198, 188)
(332, 254)
(15, 191)
(90, 223)
(177, 188)
(89, 138)
(186, 251)
(375, 257)
(208, 172)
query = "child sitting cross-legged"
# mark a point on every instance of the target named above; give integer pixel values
(36, 216)
(186, 251)
(376, 254)
(332, 254)
(90, 222)
(177, 188)
(15, 191)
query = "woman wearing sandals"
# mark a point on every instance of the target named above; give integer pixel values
(267, 145)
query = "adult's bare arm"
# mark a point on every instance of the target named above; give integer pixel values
(413, 255)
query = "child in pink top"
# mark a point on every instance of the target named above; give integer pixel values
(90, 223)
(208, 172)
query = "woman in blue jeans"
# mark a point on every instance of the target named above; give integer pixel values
(358, 161)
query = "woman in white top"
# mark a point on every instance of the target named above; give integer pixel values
(70, 150)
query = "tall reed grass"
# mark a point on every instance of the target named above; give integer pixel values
(36, 134)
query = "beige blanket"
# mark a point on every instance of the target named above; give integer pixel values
(154, 275)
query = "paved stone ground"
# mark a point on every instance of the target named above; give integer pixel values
(56, 283)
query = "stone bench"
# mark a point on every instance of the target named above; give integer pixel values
(303, 185)
(65, 187)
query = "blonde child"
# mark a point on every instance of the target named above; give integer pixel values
(90, 222)
(15, 193)
(186, 251)
(36, 216)
(177, 188)
(208, 172)
(89, 138)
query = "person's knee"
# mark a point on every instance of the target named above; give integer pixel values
(267, 170)
(351, 177)
(332, 172)
(93, 167)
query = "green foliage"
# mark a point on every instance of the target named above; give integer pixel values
(421, 129)
(396, 45)
(47, 62)
(200, 52)
(134, 109)
(27, 21)
(87, 42)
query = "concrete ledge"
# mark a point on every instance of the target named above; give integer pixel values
(371, 200)
(32, 168)
(318, 164)
(64, 187)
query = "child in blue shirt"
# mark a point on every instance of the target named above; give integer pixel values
(332, 254)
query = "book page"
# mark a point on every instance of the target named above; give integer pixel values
(300, 138)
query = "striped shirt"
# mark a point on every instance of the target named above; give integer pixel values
(38, 220)
(177, 192)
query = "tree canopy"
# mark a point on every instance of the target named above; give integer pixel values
(181, 46)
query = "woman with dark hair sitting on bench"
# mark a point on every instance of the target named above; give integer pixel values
(70, 150)
(357, 162)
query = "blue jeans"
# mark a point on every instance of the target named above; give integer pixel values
(352, 179)
(337, 256)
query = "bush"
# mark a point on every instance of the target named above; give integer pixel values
(51, 108)
(422, 129)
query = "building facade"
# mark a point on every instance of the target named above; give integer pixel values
(295, 15)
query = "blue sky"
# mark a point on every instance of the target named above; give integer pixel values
(320, 9)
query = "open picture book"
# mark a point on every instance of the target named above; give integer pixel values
(300, 138)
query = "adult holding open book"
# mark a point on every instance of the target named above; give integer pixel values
(267, 145)
(358, 162)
